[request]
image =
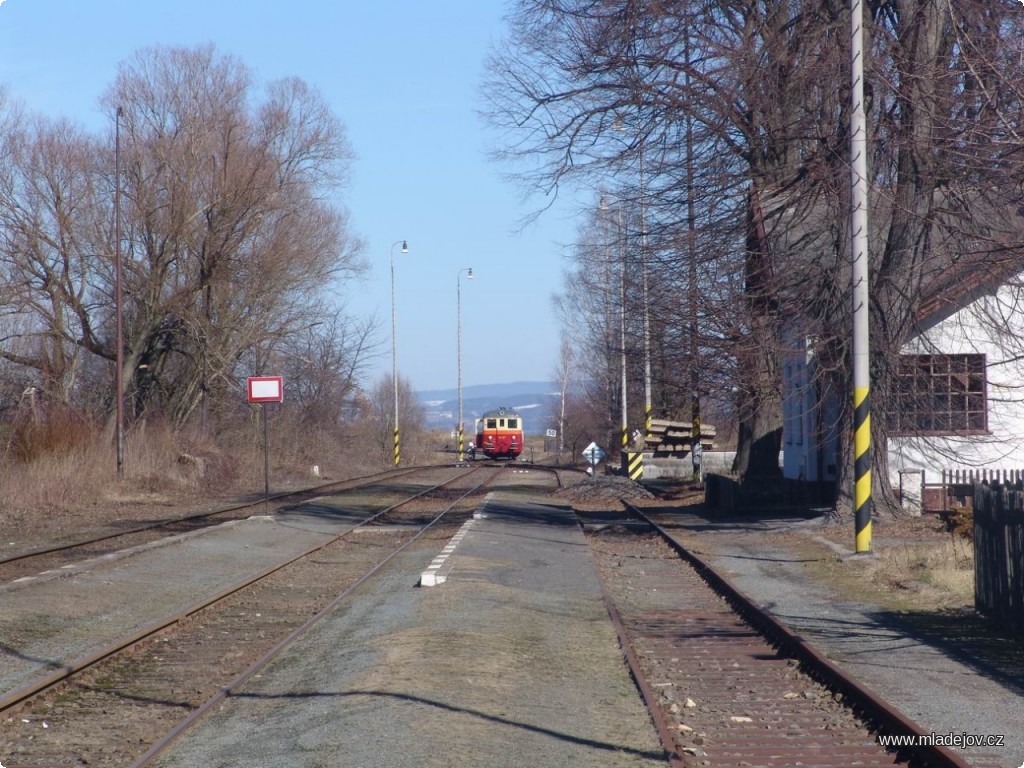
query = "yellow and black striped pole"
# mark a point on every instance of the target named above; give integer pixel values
(398, 455)
(859, 285)
(862, 467)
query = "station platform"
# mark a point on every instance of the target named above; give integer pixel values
(510, 660)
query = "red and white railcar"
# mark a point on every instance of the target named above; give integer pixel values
(499, 434)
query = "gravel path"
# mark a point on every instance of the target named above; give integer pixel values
(939, 686)
(512, 661)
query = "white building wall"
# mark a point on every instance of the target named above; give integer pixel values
(993, 326)
(809, 428)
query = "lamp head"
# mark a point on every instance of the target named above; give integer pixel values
(470, 275)
(405, 247)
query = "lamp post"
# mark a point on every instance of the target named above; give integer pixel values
(622, 320)
(119, 331)
(647, 314)
(394, 345)
(458, 313)
(696, 451)
(620, 125)
(622, 341)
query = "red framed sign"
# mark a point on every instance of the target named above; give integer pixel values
(266, 389)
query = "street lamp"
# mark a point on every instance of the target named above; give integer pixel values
(394, 344)
(620, 125)
(458, 313)
(647, 314)
(602, 204)
(119, 332)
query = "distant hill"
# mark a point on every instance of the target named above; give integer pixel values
(532, 399)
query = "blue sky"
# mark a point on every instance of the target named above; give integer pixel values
(405, 78)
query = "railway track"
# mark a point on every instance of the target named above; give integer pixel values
(726, 683)
(109, 706)
(59, 554)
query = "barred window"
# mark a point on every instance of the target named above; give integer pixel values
(939, 395)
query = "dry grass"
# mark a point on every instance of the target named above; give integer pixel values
(917, 564)
(54, 481)
(53, 486)
(940, 572)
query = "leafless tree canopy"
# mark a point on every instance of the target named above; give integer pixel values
(231, 235)
(723, 128)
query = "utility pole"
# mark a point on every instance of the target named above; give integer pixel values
(859, 279)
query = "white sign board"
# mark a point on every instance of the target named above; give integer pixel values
(266, 389)
(593, 453)
(551, 433)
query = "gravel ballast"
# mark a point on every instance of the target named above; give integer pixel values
(65, 615)
(944, 690)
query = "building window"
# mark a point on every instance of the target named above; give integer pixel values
(939, 395)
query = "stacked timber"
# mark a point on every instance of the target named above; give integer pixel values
(674, 439)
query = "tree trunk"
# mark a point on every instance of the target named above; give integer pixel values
(760, 406)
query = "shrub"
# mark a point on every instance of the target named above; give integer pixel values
(52, 430)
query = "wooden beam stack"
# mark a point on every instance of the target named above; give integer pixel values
(672, 439)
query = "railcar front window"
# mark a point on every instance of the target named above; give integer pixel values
(513, 423)
(492, 423)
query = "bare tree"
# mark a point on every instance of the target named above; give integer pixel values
(564, 376)
(49, 246)
(738, 120)
(378, 421)
(231, 237)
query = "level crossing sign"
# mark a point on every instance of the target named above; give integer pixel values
(593, 454)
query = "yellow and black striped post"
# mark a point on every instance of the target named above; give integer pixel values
(397, 452)
(862, 467)
(460, 444)
(647, 421)
(633, 465)
(859, 277)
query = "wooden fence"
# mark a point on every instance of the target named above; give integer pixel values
(957, 486)
(999, 552)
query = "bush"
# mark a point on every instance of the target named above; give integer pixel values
(53, 430)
